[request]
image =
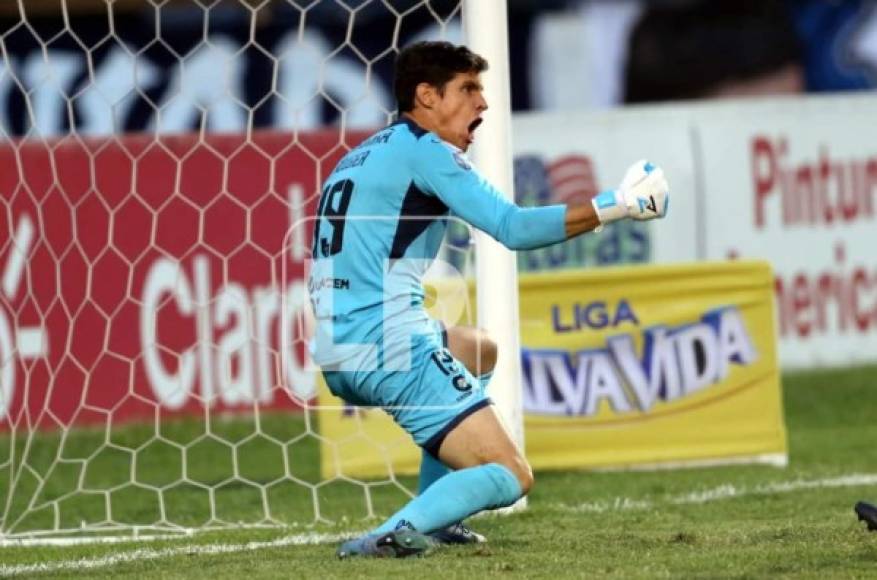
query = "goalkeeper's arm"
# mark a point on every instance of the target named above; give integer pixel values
(447, 174)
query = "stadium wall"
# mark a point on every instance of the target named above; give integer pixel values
(148, 277)
(144, 276)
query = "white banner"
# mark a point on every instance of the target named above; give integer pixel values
(792, 181)
(611, 141)
(796, 183)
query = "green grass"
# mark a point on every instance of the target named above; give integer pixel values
(579, 524)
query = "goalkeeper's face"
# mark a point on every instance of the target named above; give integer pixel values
(459, 108)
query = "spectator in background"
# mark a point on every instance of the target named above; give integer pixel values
(713, 48)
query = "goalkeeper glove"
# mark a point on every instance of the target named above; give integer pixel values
(642, 195)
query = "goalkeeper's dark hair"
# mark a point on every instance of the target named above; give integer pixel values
(434, 63)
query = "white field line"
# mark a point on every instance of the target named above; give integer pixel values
(124, 535)
(155, 554)
(724, 491)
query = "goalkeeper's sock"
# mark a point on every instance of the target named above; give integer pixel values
(455, 497)
(431, 470)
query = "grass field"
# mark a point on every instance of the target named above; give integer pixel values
(728, 522)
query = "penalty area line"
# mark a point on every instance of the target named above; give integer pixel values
(142, 554)
(720, 492)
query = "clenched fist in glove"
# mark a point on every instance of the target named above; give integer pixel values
(642, 195)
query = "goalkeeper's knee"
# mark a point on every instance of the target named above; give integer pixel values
(524, 474)
(506, 486)
(513, 479)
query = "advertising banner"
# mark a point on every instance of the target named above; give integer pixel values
(622, 367)
(795, 183)
(572, 156)
(661, 364)
(146, 277)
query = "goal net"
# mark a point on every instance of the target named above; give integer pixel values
(161, 163)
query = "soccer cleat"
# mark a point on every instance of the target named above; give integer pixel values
(397, 544)
(457, 534)
(867, 513)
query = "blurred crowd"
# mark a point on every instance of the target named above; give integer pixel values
(105, 67)
(636, 51)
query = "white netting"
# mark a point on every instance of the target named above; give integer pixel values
(154, 156)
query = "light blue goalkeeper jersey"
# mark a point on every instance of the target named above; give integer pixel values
(380, 223)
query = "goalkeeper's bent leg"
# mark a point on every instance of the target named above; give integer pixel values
(491, 473)
(455, 497)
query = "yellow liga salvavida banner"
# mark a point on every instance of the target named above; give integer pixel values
(623, 367)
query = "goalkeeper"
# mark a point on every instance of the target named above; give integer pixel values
(381, 219)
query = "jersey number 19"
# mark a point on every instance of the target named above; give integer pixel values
(333, 208)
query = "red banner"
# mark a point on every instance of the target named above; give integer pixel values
(143, 276)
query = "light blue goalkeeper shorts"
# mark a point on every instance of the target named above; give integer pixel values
(428, 400)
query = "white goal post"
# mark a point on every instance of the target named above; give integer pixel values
(496, 266)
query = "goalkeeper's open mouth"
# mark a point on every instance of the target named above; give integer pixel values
(472, 126)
